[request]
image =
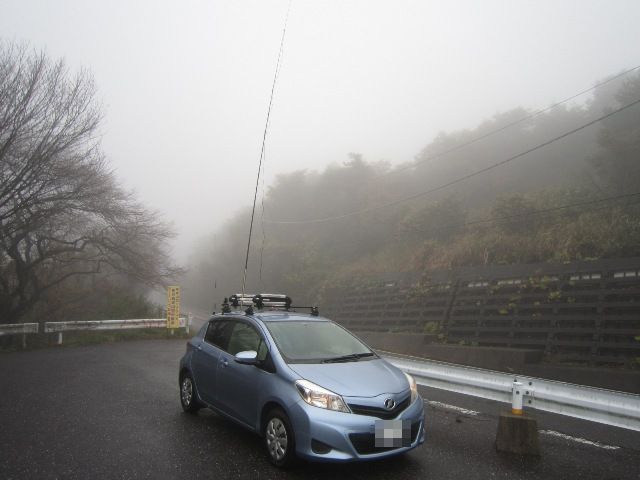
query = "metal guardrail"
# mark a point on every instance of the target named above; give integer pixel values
(60, 327)
(51, 327)
(618, 409)
(18, 328)
(23, 329)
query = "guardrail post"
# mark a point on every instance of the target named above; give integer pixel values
(59, 342)
(24, 340)
(517, 432)
(516, 397)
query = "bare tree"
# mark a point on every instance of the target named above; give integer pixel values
(62, 213)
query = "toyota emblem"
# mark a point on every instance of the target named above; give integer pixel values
(389, 403)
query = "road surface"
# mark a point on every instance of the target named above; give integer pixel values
(112, 411)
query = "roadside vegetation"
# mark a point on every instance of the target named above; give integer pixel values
(576, 199)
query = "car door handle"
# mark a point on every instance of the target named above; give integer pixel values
(199, 347)
(224, 362)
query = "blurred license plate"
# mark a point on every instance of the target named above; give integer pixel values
(393, 433)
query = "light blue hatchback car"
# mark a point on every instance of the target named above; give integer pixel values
(305, 384)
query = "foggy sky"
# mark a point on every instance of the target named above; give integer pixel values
(185, 85)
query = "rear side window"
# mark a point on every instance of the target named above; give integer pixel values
(218, 333)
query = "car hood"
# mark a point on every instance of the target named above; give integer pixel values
(364, 378)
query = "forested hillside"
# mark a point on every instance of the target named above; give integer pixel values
(571, 199)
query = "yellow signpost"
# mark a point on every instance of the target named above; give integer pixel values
(173, 306)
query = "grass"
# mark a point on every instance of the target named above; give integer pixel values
(79, 338)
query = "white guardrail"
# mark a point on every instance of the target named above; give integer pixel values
(23, 329)
(619, 409)
(51, 327)
(18, 328)
(59, 327)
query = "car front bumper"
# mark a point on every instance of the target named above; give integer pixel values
(327, 435)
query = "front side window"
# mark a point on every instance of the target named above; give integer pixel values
(317, 342)
(243, 338)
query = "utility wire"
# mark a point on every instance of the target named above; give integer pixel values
(504, 127)
(262, 150)
(460, 179)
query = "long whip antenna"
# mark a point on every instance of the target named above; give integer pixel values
(264, 140)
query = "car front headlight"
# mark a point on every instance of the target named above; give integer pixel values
(413, 386)
(321, 397)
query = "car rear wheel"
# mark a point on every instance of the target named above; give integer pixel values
(188, 398)
(278, 439)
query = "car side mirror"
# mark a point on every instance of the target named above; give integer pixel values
(250, 357)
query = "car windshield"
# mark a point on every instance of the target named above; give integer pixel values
(317, 342)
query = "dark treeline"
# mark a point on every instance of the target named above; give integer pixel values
(442, 229)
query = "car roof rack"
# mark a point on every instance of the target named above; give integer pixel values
(261, 301)
(240, 300)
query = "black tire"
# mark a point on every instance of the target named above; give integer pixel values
(277, 428)
(188, 395)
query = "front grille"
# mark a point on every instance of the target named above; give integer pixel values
(365, 443)
(380, 412)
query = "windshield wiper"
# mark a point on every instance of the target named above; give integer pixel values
(352, 357)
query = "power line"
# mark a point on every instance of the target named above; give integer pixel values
(505, 127)
(459, 179)
(264, 141)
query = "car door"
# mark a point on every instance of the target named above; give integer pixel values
(239, 385)
(207, 356)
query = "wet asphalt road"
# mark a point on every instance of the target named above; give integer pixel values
(112, 411)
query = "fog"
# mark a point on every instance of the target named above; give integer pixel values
(185, 85)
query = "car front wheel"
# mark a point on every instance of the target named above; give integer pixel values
(188, 398)
(278, 438)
